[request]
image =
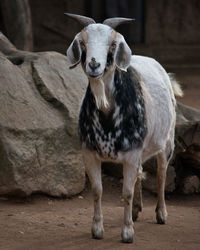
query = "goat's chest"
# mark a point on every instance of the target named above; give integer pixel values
(123, 128)
(110, 134)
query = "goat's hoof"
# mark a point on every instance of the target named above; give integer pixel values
(161, 216)
(97, 231)
(135, 212)
(127, 234)
(135, 215)
(98, 235)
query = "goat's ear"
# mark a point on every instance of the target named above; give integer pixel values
(123, 55)
(74, 53)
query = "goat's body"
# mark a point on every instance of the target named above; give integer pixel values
(157, 112)
(158, 116)
(160, 106)
(127, 116)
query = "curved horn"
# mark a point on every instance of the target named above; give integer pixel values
(115, 21)
(85, 21)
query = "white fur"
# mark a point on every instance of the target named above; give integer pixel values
(97, 87)
(175, 85)
(97, 45)
(159, 104)
(160, 117)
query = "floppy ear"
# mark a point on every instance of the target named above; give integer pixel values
(74, 53)
(123, 55)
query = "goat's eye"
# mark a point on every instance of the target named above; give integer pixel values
(82, 45)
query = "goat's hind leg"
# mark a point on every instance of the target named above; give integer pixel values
(161, 211)
(93, 169)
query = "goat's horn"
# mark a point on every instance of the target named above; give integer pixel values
(115, 21)
(85, 21)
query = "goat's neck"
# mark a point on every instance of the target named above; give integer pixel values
(102, 90)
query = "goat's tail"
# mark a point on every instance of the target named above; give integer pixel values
(175, 85)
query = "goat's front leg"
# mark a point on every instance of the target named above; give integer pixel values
(137, 198)
(93, 169)
(130, 177)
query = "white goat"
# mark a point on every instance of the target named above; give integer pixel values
(127, 116)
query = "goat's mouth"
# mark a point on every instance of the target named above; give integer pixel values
(95, 75)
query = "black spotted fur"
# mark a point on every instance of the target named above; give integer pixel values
(129, 97)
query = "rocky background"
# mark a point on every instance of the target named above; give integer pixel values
(39, 103)
(40, 97)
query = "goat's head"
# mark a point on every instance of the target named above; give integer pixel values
(99, 47)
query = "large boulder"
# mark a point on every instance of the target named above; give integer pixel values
(39, 103)
(187, 152)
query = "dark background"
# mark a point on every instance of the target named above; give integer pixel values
(167, 30)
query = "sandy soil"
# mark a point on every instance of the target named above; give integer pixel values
(45, 223)
(40, 222)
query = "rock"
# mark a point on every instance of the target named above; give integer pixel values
(191, 185)
(39, 103)
(187, 164)
(186, 114)
(150, 182)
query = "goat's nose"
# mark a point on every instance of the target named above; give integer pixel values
(93, 64)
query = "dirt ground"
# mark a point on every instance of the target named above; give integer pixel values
(56, 224)
(40, 222)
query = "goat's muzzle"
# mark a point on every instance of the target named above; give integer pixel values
(93, 69)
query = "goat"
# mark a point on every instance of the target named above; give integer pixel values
(127, 116)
